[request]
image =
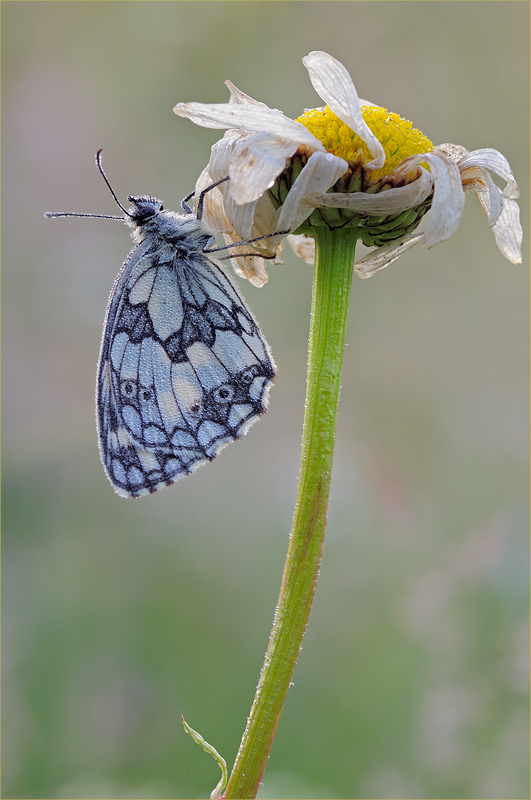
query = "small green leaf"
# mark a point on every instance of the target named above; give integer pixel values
(218, 791)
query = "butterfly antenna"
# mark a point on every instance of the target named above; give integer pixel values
(200, 202)
(98, 164)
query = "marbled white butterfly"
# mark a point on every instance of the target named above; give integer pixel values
(183, 367)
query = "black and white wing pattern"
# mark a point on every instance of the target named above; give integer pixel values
(183, 367)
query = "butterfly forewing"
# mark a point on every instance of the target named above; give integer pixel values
(183, 368)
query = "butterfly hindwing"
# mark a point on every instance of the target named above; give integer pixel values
(183, 369)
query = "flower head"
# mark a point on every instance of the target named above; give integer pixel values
(348, 164)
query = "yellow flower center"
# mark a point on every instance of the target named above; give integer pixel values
(397, 136)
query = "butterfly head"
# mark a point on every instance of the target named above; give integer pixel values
(142, 216)
(144, 207)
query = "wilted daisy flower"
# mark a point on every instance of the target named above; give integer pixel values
(349, 164)
(347, 172)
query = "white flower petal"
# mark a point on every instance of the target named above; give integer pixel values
(478, 180)
(242, 223)
(495, 200)
(253, 268)
(250, 118)
(383, 256)
(303, 246)
(448, 198)
(265, 221)
(391, 201)
(491, 159)
(455, 152)
(255, 164)
(334, 85)
(220, 156)
(320, 172)
(237, 96)
(256, 219)
(474, 179)
(214, 215)
(218, 202)
(507, 228)
(241, 216)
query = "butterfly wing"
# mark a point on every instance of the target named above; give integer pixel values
(183, 369)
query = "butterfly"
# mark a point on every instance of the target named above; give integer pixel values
(183, 368)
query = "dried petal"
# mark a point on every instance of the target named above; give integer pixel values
(391, 201)
(247, 117)
(448, 200)
(303, 246)
(491, 159)
(507, 228)
(384, 256)
(334, 85)
(321, 171)
(255, 163)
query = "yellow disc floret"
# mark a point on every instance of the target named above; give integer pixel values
(397, 135)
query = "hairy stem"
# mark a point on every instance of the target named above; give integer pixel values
(331, 292)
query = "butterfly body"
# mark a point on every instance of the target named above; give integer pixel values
(183, 367)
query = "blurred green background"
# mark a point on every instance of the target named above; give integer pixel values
(118, 615)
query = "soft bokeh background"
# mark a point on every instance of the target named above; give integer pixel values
(119, 614)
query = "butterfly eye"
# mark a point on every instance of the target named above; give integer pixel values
(224, 394)
(146, 394)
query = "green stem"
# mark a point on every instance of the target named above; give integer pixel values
(334, 260)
